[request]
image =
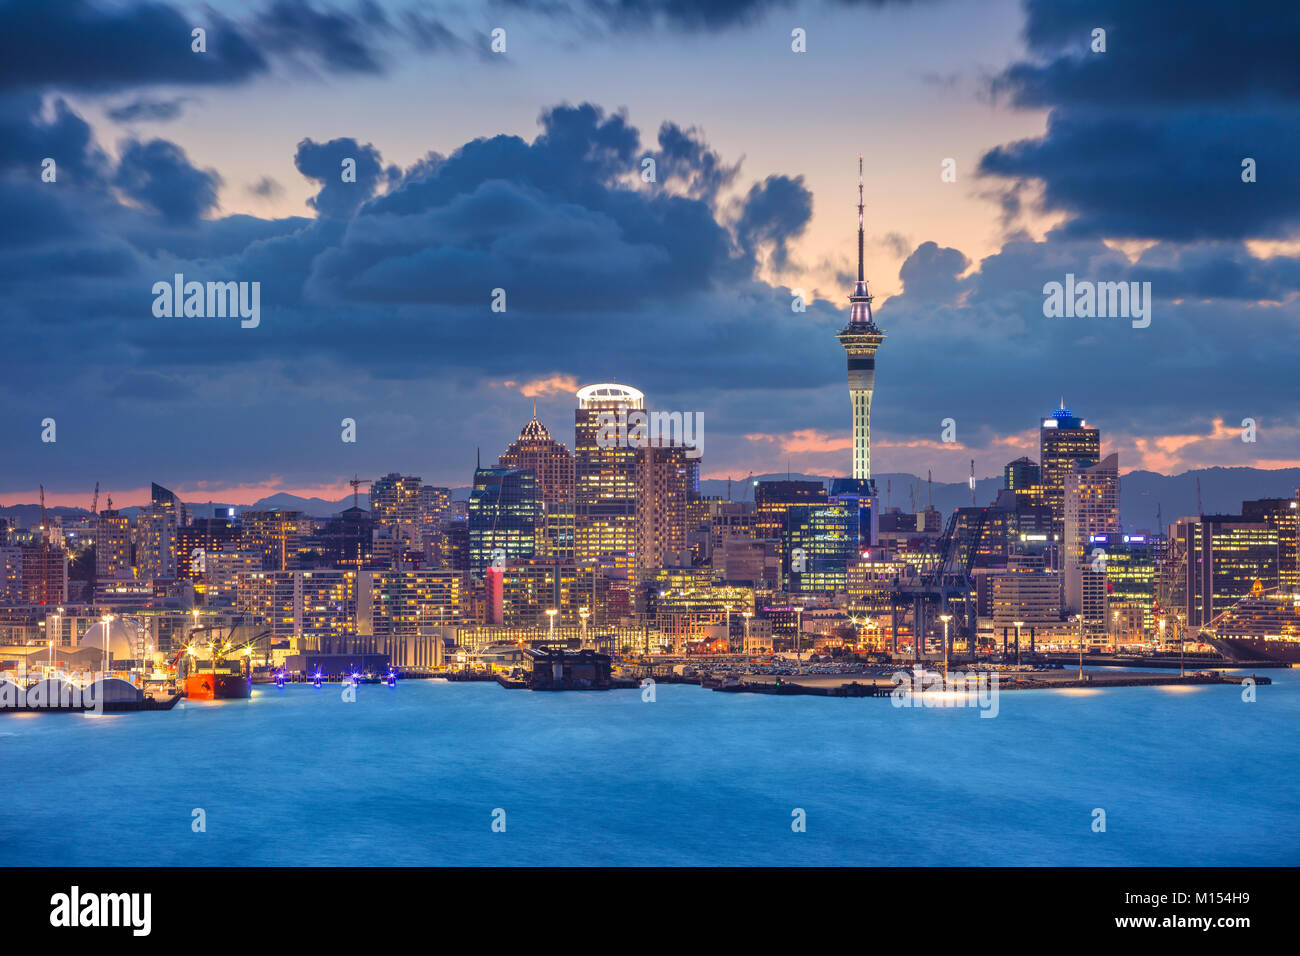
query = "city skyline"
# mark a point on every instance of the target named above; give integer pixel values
(377, 303)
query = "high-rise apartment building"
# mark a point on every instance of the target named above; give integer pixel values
(604, 474)
(666, 482)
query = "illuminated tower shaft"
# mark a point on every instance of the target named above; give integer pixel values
(860, 338)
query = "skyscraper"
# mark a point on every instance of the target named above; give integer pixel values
(552, 465)
(860, 338)
(1091, 504)
(503, 515)
(1223, 556)
(666, 480)
(1063, 441)
(604, 474)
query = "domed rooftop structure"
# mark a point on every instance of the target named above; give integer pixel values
(123, 634)
(610, 395)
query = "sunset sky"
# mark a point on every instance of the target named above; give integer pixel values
(521, 170)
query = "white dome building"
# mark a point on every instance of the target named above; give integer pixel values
(124, 636)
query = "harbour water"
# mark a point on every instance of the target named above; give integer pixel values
(412, 775)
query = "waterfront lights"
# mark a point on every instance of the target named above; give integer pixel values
(107, 619)
(945, 618)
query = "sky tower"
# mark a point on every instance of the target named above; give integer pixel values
(860, 339)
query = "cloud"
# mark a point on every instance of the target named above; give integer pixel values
(159, 175)
(77, 44)
(773, 213)
(148, 109)
(324, 162)
(1145, 140)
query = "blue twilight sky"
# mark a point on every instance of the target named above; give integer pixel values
(521, 169)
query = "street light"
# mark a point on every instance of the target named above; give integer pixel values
(945, 618)
(1079, 618)
(107, 619)
(1019, 625)
(746, 615)
(550, 613)
(798, 637)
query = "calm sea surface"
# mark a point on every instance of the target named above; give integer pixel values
(412, 775)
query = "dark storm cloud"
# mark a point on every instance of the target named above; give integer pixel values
(93, 46)
(684, 157)
(774, 212)
(324, 162)
(1167, 53)
(549, 221)
(1148, 139)
(337, 39)
(27, 139)
(1215, 307)
(1166, 175)
(79, 44)
(930, 273)
(160, 175)
(687, 15)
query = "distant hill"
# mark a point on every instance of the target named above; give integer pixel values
(1222, 492)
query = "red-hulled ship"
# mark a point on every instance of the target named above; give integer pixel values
(220, 680)
(219, 677)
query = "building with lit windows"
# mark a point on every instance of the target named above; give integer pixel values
(157, 526)
(552, 464)
(1021, 474)
(1091, 508)
(1223, 557)
(504, 511)
(275, 536)
(402, 604)
(1131, 577)
(666, 482)
(772, 502)
(112, 545)
(197, 540)
(819, 543)
(604, 474)
(316, 604)
(1064, 441)
(1282, 514)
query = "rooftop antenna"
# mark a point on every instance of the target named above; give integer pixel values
(861, 276)
(1200, 512)
(972, 482)
(929, 489)
(889, 492)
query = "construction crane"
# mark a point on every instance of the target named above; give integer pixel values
(356, 484)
